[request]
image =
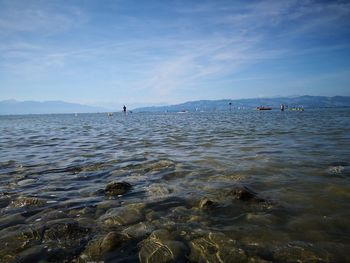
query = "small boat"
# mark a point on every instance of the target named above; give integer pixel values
(110, 114)
(263, 108)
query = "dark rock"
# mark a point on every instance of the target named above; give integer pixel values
(206, 203)
(243, 193)
(117, 188)
(11, 220)
(24, 201)
(66, 232)
(32, 254)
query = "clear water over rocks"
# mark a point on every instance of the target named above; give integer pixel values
(240, 186)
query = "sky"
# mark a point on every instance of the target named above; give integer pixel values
(140, 53)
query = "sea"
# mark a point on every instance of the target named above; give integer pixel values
(235, 186)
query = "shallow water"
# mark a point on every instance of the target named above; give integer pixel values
(184, 169)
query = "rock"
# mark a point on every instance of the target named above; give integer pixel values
(244, 193)
(47, 215)
(65, 233)
(11, 220)
(206, 203)
(5, 200)
(111, 241)
(26, 182)
(139, 230)
(216, 247)
(32, 254)
(98, 249)
(158, 248)
(295, 253)
(16, 239)
(121, 216)
(158, 191)
(27, 202)
(117, 188)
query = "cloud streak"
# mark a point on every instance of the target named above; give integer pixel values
(165, 53)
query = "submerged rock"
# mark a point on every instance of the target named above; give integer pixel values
(139, 230)
(26, 182)
(244, 193)
(16, 239)
(121, 216)
(27, 202)
(117, 188)
(11, 220)
(295, 253)
(66, 234)
(159, 247)
(32, 254)
(97, 250)
(5, 200)
(216, 247)
(159, 191)
(206, 203)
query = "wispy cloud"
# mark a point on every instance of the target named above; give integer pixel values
(161, 56)
(34, 17)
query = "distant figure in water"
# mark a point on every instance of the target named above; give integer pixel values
(282, 107)
(124, 109)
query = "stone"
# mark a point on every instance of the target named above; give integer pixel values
(117, 188)
(26, 182)
(206, 203)
(216, 247)
(160, 247)
(122, 216)
(98, 249)
(27, 202)
(32, 254)
(65, 233)
(11, 220)
(139, 230)
(244, 193)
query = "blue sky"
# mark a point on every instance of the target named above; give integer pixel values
(110, 53)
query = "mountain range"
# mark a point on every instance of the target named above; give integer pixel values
(45, 107)
(9, 107)
(224, 105)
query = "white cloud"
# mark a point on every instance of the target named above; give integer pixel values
(34, 17)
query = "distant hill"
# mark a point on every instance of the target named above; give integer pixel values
(36, 107)
(223, 105)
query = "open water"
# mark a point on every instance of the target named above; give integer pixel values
(240, 186)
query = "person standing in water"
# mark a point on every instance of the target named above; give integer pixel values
(124, 109)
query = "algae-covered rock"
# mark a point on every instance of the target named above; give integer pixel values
(16, 239)
(24, 201)
(126, 215)
(294, 253)
(5, 200)
(65, 233)
(139, 230)
(117, 188)
(26, 182)
(216, 247)
(11, 220)
(244, 193)
(159, 247)
(98, 249)
(206, 203)
(32, 254)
